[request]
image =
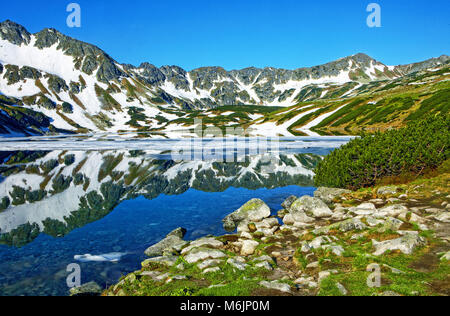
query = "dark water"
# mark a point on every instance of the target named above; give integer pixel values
(75, 206)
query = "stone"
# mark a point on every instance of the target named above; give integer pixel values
(236, 263)
(246, 235)
(306, 282)
(329, 194)
(313, 265)
(248, 247)
(341, 289)
(173, 241)
(203, 242)
(336, 249)
(253, 211)
(391, 224)
(165, 261)
(209, 263)
(344, 226)
(406, 244)
(323, 275)
(387, 190)
(203, 253)
(319, 241)
(88, 289)
(310, 206)
(263, 258)
(211, 270)
(288, 202)
(392, 210)
(446, 256)
(264, 265)
(443, 217)
(276, 285)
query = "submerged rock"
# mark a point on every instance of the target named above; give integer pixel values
(173, 241)
(253, 211)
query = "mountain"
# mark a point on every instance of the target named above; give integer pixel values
(51, 83)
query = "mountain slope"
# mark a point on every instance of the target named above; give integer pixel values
(80, 88)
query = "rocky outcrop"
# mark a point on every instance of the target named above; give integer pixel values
(173, 242)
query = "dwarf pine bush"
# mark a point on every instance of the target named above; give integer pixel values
(422, 145)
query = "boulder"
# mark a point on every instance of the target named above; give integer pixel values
(202, 253)
(391, 210)
(387, 190)
(173, 241)
(309, 206)
(344, 226)
(329, 194)
(275, 285)
(253, 211)
(237, 263)
(406, 244)
(287, 204)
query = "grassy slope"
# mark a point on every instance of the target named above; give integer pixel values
(376, 106)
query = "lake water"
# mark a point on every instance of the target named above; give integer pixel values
(101, 202)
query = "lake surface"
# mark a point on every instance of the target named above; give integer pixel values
(101, 202)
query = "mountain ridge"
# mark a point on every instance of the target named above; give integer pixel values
(82, 88)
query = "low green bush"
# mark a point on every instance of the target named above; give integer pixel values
(422, 145)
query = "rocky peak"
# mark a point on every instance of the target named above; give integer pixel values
(14, 33)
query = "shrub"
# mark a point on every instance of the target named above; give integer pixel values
(4, 203)
(49, 165)
(365, 160)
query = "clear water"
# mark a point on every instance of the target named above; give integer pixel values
(165, 195)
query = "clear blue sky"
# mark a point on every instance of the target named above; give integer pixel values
(239, 33)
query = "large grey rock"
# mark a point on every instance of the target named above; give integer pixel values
(288, 202)
(199, 254)
(344, 226)
(173, 240)
(406, 244)
(253, 211)
(329, 194)
(310, 206)
(275, 285)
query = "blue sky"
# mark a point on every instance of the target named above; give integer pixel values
(240, 33)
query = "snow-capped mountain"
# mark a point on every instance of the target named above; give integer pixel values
(51, 82)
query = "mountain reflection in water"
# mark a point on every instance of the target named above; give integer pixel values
(103, 208)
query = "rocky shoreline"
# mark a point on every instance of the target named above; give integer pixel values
(319, 245)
